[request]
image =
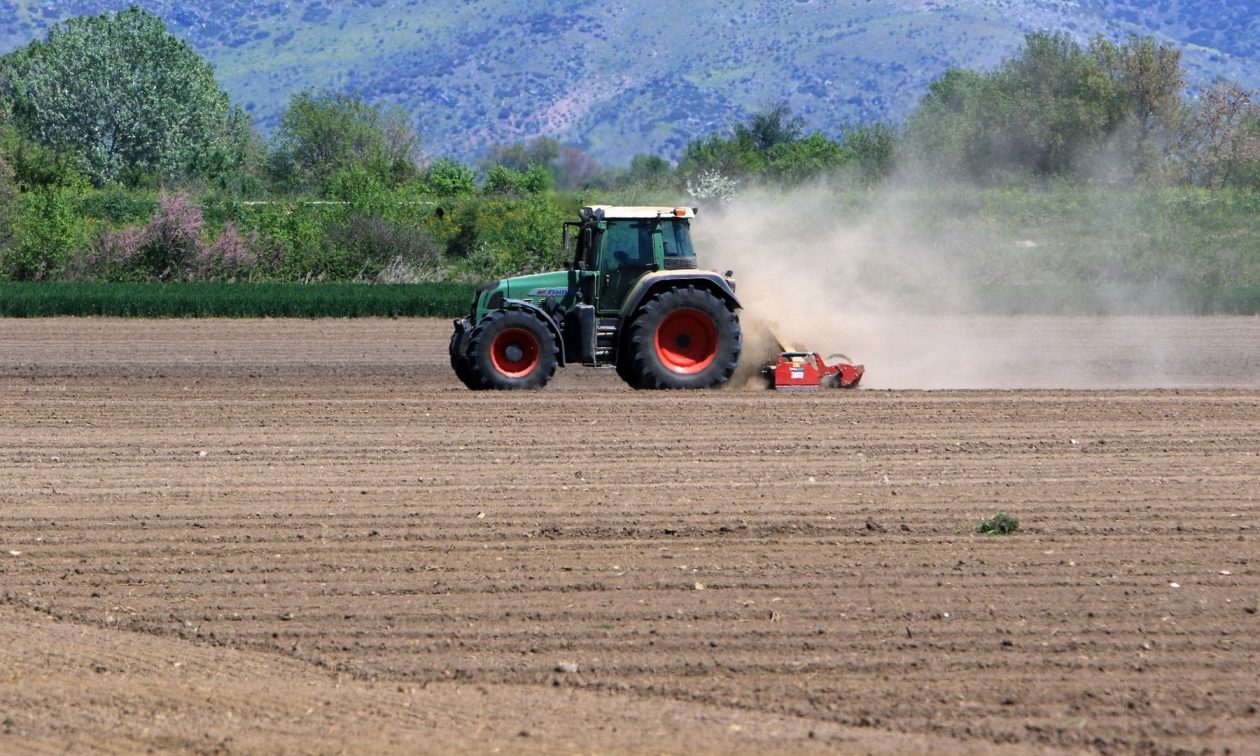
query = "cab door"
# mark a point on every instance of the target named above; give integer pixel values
(628, 251)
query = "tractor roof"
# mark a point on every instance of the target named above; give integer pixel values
(630, 211)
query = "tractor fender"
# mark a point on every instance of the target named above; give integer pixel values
(652, 283)
(541, 314)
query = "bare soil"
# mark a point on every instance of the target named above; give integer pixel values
(240, 536)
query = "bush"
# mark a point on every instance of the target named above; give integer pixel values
(46, 234)
(117, 206)
(501, 237)
(370, 247)
(232, 257)
(172, 241)
(507, 182)
(447, 178)
(999, 524)
(172, 247)
(8, 202)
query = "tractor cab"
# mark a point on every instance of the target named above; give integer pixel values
(616, 246)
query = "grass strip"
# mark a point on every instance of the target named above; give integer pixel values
(233, 300)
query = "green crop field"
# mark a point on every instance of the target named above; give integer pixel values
(236, 300)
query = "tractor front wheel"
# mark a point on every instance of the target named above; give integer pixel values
(511, 349)
(685, 338)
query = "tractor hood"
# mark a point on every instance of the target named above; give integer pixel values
(559, 285)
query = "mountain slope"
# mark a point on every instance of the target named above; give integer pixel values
(623, 78)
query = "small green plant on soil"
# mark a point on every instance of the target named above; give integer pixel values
(999, 524)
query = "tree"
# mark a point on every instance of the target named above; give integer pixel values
(649, 170)
(326, 135)
(504, 181)
(521, 156)
(774, 124)
(1061, 104)
(873, 148)
(1152, 81)
(799, 160)
(570, 167)
(448, 178)
(1046, 111)
(121, 94)
(1220, 143)
(949, 130)
(769, 145)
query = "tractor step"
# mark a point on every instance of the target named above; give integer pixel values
(606, 340)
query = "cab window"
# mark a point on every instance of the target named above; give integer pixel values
(676, 237)
(628, 245)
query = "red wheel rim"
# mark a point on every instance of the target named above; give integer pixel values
(686, 341)
(515, 352)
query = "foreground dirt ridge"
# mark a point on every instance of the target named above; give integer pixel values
(319, 522)
(130, 690)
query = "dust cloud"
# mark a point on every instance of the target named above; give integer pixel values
(858, 274)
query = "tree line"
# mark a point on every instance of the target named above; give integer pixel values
(122, 158)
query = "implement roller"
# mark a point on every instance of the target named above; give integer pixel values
(800, 370)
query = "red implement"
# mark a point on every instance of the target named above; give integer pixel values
(807, 371)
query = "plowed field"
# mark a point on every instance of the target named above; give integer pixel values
(269, 535)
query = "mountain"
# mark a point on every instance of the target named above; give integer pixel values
(620, 78)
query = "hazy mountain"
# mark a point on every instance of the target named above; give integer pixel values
(626, 77)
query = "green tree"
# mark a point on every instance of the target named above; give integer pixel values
(521, 156)
(322, 136)
(1057, 103)
(1219, 144)
(1152, 81)
(448, 178)
(35, 165)
(1046, 111)
(507, 182)
(649, 170)
(121, 94)
(770, 145)
(799, 160)
(773, 125)
(570, 167)
(873, 148)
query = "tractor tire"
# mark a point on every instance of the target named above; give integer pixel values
(685, 338)
(511, 349)
(462, 365)
(627, 371)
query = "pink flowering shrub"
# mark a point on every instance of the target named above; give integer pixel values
(172, 247)
(231, 257)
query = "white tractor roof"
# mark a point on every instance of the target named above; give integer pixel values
(631, 211)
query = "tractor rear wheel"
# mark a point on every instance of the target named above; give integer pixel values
(511, 349)
(684, 338)
(627, 370)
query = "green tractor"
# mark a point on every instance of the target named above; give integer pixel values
(633, 298)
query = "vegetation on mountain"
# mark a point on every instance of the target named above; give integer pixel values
(620, 79)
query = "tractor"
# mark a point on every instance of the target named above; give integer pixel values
(633, 298)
